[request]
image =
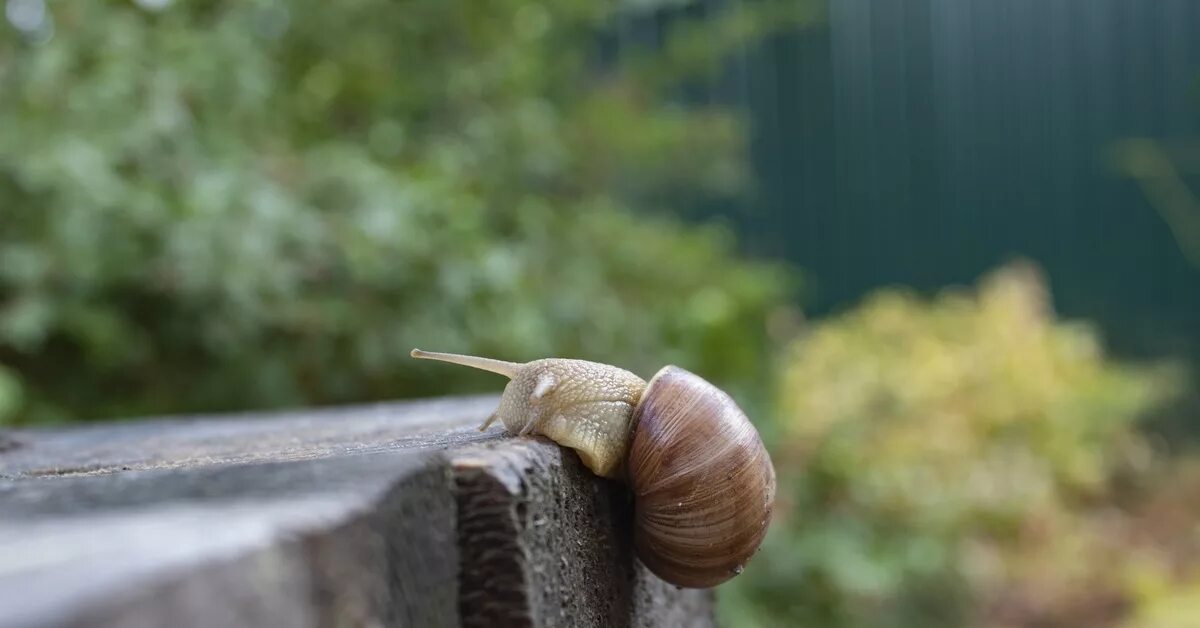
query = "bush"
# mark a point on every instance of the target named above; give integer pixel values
(955, 462)
(242, 204)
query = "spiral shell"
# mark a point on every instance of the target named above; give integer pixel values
(703, 483)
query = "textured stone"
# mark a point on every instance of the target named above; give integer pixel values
(387, 515)
(545, 543)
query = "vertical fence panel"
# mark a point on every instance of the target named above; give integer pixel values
(970, 131)
(925, 141)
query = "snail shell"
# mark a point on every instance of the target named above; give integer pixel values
(703, 483)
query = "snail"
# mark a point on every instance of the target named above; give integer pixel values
(702, 481)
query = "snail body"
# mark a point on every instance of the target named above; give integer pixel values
(703, 483)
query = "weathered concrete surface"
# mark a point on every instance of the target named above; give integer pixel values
(545, 543)
(389, 515)
(341, 516)
(190, 442)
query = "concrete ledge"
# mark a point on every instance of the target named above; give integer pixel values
(392, 515)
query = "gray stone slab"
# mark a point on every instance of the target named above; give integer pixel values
(190, 442)
(309, 518)
(386, 515)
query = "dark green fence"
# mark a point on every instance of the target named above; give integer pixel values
(924, 141)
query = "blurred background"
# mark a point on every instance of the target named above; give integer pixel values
(945, 252)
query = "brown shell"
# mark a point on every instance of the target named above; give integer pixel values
(703, 483)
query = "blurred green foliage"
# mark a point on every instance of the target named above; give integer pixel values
(967, 461)
(213, 205)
